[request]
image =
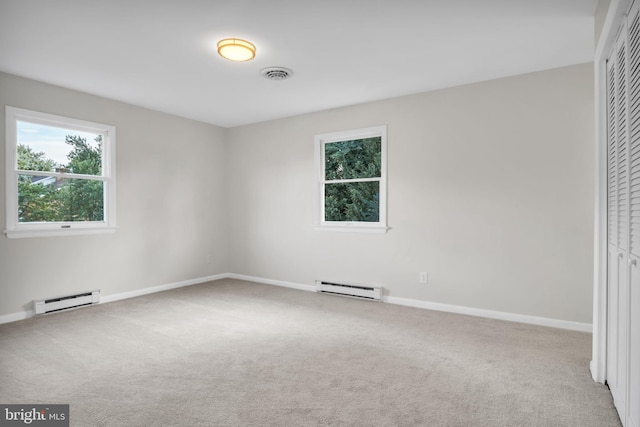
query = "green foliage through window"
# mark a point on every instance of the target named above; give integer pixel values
(352, 172)
(61, 198)
(354, 201)
(360, 158)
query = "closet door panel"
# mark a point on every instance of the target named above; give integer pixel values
(619, 218)
(633, 410)
(623, 223)
(623, 219)
(633, 300)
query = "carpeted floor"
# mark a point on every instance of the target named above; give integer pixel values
(233, 353)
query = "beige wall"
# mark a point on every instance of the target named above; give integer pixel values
(490, 192)
(600, 16)
(171, 214)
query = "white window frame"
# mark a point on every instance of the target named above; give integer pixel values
(15, 229)
(350, 226)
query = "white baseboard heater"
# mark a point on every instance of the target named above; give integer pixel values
(373, 293)
(67, 302)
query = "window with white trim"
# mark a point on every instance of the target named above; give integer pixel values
(352, 180)
(60, 175)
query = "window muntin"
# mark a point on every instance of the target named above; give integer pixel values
(60, 175)
(352, 180)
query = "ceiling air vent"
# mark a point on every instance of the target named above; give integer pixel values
(276, 73)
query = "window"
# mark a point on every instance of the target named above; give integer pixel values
(60, 175)
(351, 171)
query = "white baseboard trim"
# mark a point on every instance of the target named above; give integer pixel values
(262, 280)
(511, 317)
(154, 289)
(14, 317)
(520, 318)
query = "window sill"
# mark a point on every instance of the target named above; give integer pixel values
(57, 232)
(376, 229)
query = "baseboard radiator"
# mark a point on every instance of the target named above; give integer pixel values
(66, 302)
(373, 293)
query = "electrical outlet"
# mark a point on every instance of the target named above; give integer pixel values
(424, 278)
(209, 258)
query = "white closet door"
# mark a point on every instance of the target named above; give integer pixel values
(619, 226)
(623, 182)
(633, 317)
(613, 259)
(623, 220)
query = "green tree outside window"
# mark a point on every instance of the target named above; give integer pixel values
(352, 187)
(56, 199)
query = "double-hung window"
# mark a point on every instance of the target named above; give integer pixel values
(351, 173)
(60, 175)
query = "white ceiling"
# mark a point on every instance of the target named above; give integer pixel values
(161, 54)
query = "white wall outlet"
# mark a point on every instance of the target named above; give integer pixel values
(209, 258)
(424, 278)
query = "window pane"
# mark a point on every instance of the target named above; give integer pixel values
(48, 148)
(359, 158)
(44, 199)
(354, 201)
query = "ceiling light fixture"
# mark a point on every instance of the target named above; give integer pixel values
(237, 50)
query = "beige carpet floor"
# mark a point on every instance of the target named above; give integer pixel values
(234, 353)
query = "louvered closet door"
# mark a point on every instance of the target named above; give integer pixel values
(618, 222)
(612, 225)
(633, 305)
(623, 183)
